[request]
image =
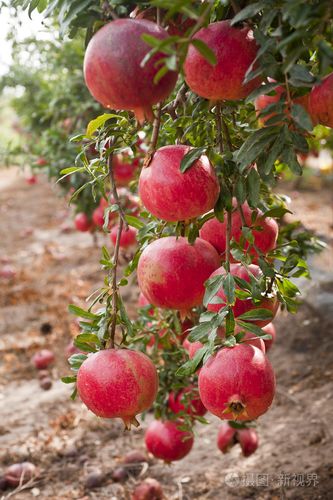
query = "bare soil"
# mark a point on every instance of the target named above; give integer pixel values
(57, 266)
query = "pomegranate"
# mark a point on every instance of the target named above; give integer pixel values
(265, 231)
(124, 171)
(106, 375)
(243, 397)
(127, 237)
(31, 179)
(42, 359)
(98, 217)
(172, 195)
(321, 102)
(41, 161)
(242, 306)
(192, 347)
(82, 222)
(248, 439)
(113, 71)
(166, 441)
(143, 302)
(270, 329)
(235, 50)
(149, 489)
(180, 401)
(8, 272)
(172, 273)
(20, 473)
(226, 437)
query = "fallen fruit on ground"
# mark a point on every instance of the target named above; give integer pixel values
(235, 50)
(166, 441)
(20, 473)
(187, 400)
(248, 439)
(42, 359)
(226, 437)
(104, 375)
(244, 397)
(171, 195)
(171, 272)
(149, 489)
(113, 71)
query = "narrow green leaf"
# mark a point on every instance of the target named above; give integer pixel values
(190, 157)
(81, 312)
(205, 51)
(256, 314)
(229, 288)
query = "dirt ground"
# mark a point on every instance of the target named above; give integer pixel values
(56, 267)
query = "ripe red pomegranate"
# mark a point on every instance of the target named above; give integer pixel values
(124, 169)
(226, 437)
(82, 222)
(270, 329)
(241, 306)
(106, 375)
(31, 179)
(265, 231)
(149, 489)
(248, 439)
(192, 347)
(172, 273)
(321, 102)
(42, 359)
(20, 473)
(235, 50)
(98, 216)
(127, 237)
(166, 441)
(172, 195)
(243, 397)
(187, 401)
(41, 162)
(113, 71)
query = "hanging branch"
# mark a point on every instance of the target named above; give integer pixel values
(241, 212)
(228, 238)
(218, 119)
(154, 137)
(115, 193)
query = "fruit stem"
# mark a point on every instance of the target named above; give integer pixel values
(228, 237)
(288, 93)
(241, 212)
(154, 137)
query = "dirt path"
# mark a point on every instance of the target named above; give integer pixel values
(57, 267)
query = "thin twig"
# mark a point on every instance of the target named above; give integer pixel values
(179, 99)
(108, 11)
(114, 284)
(227, 246)
(241, 212)
(154, 137)
(218, 119)
(226, 133)
(288, 92)
(115, 192)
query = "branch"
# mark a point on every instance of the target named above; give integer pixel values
(227, 246)
(114, 284)
(154, 137)
(240, 208)
(218, 119)
(115, 192)
(226, 133)
(179, 99)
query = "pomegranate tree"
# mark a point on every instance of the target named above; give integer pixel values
(165, 440)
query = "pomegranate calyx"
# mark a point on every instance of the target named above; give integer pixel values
(236, 408)
(128, 421)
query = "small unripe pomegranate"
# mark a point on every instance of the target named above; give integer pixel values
(226, 437)
(172, 273)
(243, 397)
(166, 441)
(242, 306)
(113, 71)
(270, 330)
(179, 402)
(20, 473)
(172, 195)
(118, 383)
(264, 229)
(82, 222)
(235, 50)
(149, 489)
(127, 237)
(321, 102)
(42, 359)
(248, 439)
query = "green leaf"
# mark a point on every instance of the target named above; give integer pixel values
(76, 361)
(190, 157)
(212, 285)
(204, 50)
(134, 221)
(93, 125)
(277, 212)
(301, 117)
(190, 366)
(200, 332)
(229, 288)
(248, 12)
(250, 327)
(253, 185)
(256, 314)
(68, 380)
(81, 312)
(230, 341)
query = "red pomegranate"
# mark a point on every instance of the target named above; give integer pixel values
(127, 237)
(321, 102)
(171, 272)
(172, 195)
(31, 179)
(42, 359)
(186, 401)
(226, 437)
(235, 50)
(98, 217)
(270, 330)
(264, 229)
(113, 71)
(82, 222)
(166, 441)
(243, 397)
(248, 439)
(149, 489)
(192, 347)
(242, 306)
(41, 162)
(7, 272)
(124, 169)
(20, 473)
(117, 383)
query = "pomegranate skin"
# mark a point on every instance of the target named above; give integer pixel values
(113, 72)
(243, 397)
(235, 50)
(226, 437)
(149, 489)
(242, 306)
(178, 403)
(82, 223)
(127, 237)
(124, 172)
(98, 217)
(171, 272)
(265, 238)
(171, 195)
(166, 441)
(321, 102)
(118, 383)
(192, 347)
(42, 359)
(248, 439)
(270, 329)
